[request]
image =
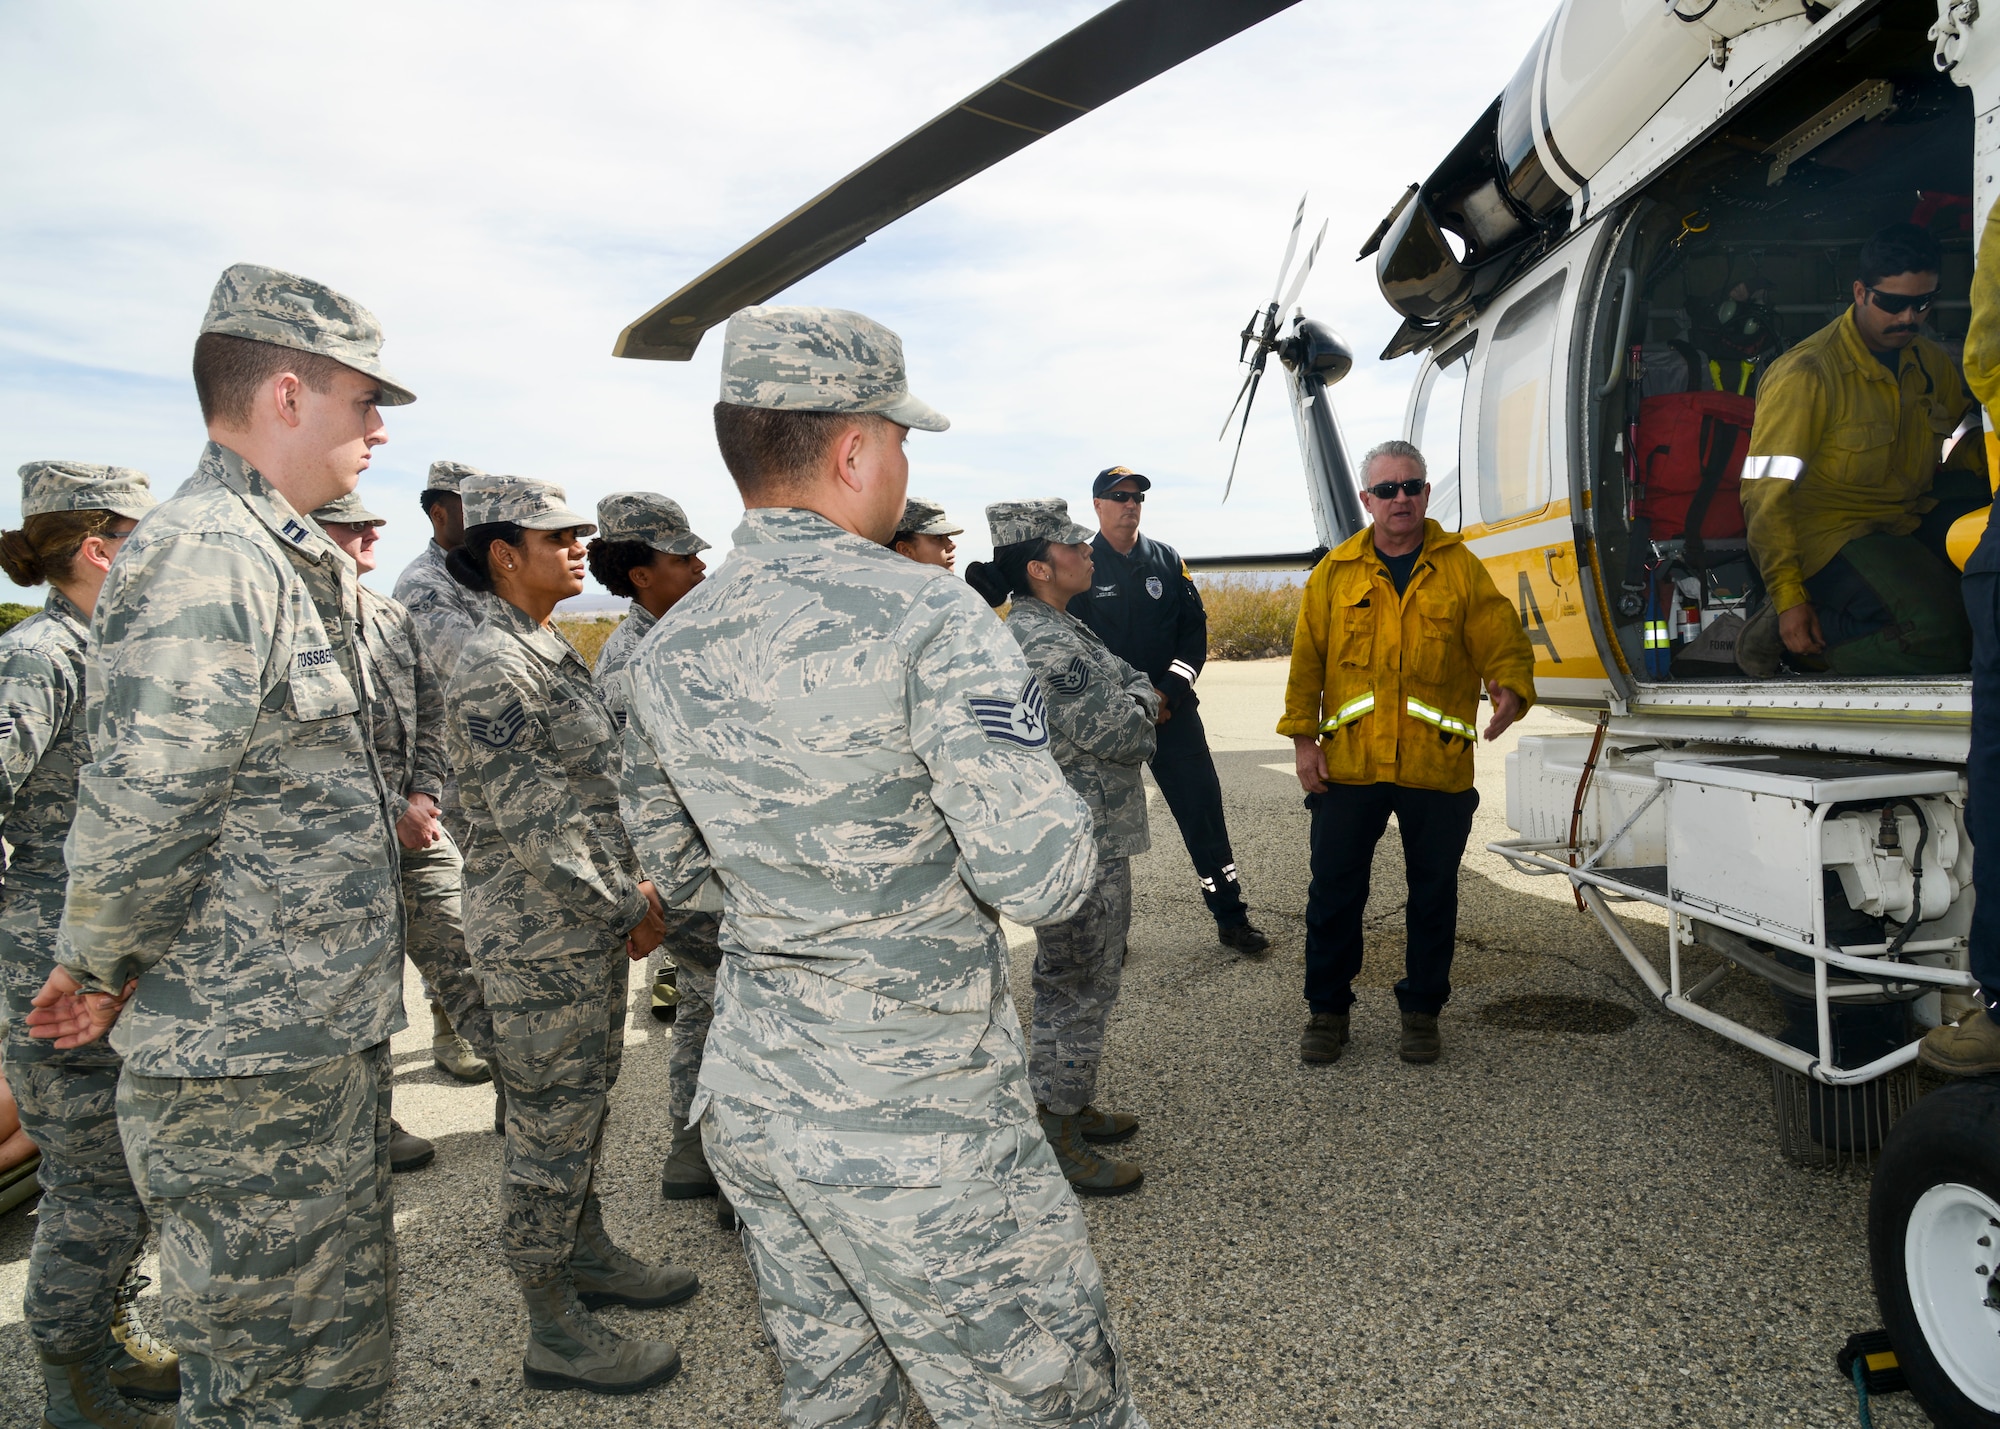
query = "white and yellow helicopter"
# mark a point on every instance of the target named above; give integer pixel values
(1662, 195)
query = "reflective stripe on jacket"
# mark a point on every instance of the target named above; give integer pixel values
(1391, 684)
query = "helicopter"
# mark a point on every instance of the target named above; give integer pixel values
(1663, 195)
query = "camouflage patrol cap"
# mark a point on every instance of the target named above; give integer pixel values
(348, 511)
(650, 518)
(1044, 520)
(819, 360)
(535, 505)
(84, 486)
(926, 518)
(450, 475)
(266, 305)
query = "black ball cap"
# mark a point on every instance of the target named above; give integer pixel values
(1112, 475)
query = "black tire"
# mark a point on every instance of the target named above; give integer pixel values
(1951, 1137)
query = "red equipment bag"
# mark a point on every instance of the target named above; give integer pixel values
(1690, 467)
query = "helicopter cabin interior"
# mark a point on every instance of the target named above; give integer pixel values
(1717, 265)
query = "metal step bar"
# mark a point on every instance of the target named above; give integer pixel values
(1550, 858)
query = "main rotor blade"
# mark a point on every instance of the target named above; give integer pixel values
(1115, 50)
(1255, 373)
(1299, 283)
(1291, 246)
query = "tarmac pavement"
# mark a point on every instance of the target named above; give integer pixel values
(1548, 1228)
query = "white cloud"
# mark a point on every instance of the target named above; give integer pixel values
(507, 185)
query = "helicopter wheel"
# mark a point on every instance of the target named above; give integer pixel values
(1934, 1245)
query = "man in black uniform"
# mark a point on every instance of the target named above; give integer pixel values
(1143, 604)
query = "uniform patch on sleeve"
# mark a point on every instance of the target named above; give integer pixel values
(500, 731)
(1071, 679)
(1023, 721)
(6, 726)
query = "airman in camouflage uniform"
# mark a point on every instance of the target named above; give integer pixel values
(924, 534)
(410, 749)
(444, 614)
(660, 524)
(552, 896)
(1101, 714)
(90, 1225)
(232, 867)
(851, 746)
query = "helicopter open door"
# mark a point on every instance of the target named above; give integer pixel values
(1509, 481)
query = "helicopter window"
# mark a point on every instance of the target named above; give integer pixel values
(1440, 408)
(1514, 407)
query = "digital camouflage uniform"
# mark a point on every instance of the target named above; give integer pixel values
(409, 747)
(232, 851)
(691, 933)
(551, 892)
(855, 750)
(445, 614)
(1100, 714)
(89, 1224)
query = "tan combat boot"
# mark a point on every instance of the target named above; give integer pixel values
(452, 1053)
(685, 1176)
(1088, 1173)
(145, 1368)
(605, 1275)
(80, 1395)
(570, 1348)
(1106, 1128)
(1971, 1048)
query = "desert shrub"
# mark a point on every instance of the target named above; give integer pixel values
(12, 614)
(1249, 619)
(588, 633)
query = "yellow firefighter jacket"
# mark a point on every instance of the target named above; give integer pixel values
(1391, 685)
(1841, 450)
(1982, 335)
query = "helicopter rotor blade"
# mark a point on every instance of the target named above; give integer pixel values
(1256, 373)
(1255, 368)
(1291, 246)
(1117, 49)
(1299, 283)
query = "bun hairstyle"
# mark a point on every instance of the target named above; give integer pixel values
(1006, 575)
(613, 562)
(470, 564)
(45, 547)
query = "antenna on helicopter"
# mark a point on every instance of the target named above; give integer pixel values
(1266, 337)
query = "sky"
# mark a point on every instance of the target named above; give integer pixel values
(506, 185)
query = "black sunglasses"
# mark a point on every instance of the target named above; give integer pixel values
(1121, 497)
(1386, 490)
(1901, 302)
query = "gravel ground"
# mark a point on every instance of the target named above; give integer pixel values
(1546, 1228)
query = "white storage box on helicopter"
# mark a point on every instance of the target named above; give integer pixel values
(1542, 775)
(1744, 836)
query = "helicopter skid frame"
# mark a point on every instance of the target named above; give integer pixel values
(1686, 923)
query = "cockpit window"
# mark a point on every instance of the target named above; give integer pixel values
(1440, 408)
(1514, 407)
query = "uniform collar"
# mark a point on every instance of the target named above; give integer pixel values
(1862, 359)
(639, 613)
(796, 526)
(1361, 545)
(63, 609)
(268, 504)
(1141, 549)
(1036, 608)
(541, 639)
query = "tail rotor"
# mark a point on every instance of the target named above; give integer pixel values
(1261, 332)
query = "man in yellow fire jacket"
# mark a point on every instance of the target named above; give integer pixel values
(1399, 627)
(1846, 508)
